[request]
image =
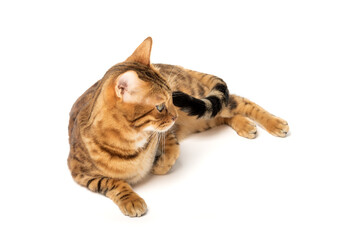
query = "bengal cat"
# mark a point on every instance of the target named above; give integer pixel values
(130, 123)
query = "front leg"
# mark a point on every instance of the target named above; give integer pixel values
(118, 190)
(168, 153)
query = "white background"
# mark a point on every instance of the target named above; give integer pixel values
(297, 59)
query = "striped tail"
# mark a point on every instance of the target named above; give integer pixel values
(207, 107)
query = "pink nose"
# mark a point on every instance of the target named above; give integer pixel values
(174, 118)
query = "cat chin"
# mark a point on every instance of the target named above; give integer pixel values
(163, 130)
(167, 128)
(152, 129)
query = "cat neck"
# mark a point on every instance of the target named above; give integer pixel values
(113, 130)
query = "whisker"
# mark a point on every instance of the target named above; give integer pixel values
(163, 143)
(161, 138)
(171, 79)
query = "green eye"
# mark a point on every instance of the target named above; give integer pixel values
(160, 107)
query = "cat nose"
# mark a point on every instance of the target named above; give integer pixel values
(174, 117)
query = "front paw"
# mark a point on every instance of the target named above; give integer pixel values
(159, 169)
(167, 159)
(133, 205)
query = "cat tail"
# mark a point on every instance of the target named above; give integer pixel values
(207, 107)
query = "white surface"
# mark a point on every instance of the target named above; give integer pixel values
(297, 59)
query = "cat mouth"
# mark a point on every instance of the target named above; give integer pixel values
(165, 127)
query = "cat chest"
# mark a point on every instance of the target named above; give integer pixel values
(143, 164)
(132, 166)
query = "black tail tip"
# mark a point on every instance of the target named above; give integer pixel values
(192, 106)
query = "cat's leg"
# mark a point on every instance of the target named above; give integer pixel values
(241, 124)
(168, 153)
(118, 190)
(238, 108)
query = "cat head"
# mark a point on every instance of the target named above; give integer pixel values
(138, 91)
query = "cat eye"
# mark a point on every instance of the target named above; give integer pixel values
(160, 107)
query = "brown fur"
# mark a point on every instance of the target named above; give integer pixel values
(117, 136)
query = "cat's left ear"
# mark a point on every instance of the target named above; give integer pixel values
(129, 87)
(142, 53)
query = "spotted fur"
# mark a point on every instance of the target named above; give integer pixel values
(130, 123)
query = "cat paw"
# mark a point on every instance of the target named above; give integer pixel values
(166, 160)
(243, 126)
(277, 127)
(133, 206)
(161, 169)
(248, 130)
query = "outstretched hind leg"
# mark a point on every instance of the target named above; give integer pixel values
(239, 108)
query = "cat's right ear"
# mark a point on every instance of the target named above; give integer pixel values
(142, 53)
(128, 87)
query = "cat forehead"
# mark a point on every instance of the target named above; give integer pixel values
(158, 85)
(157, 95)
(154, 78)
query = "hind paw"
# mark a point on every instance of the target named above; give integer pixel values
(277, 127)
(243, 126)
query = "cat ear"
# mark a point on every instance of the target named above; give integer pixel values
(142, 53)
(128, 86)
